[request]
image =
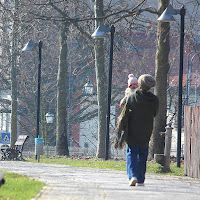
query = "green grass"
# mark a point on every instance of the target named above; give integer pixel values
(19, 187)
(155, 168)
(152, 167)
(87, 162)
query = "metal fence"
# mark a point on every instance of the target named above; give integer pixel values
(76, 151)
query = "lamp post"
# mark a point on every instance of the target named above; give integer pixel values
(49, 119)
(100, 33)
(167, 16)
(30, 47)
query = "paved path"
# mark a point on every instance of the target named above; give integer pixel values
(77, 183)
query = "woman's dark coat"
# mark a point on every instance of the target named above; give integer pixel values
(135, 123)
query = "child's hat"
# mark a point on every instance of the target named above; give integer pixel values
(132, 79)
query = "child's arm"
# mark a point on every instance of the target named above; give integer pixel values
(123, 101)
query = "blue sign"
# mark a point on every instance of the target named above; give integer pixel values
(5, 138)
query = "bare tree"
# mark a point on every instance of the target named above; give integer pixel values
(101, 81)
(162, 68)
(61, 133)
(14, 87)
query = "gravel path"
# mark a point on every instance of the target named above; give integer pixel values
(78, 183)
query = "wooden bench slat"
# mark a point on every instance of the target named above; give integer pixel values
(21, 139)
(19, 143)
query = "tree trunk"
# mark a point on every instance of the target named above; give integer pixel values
(101, 82)
(61, 123)
(162, 68)
(14, 79)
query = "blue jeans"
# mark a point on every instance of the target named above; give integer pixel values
(136, 159)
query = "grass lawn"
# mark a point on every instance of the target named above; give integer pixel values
(19, 187)
(152, 167)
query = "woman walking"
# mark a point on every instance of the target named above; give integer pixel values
(136, 121)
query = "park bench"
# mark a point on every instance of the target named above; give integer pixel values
(16, 152)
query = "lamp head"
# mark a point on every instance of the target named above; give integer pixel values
(30, 46)
(100, 32)
(167, 15)
(49, 118)
(88, 88)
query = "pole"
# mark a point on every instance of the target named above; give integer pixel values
(69, 105)
(112, 31)
(196, 81)
(38, 91)
(168, 139)
(188, 80)
(182, 13)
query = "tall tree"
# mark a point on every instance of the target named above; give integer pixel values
(61, 123)
(101, 81)
(14, 50)
(161, 72)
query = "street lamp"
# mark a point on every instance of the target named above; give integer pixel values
(100, 33)
(167, 16)
(30, 47)
(168, 111)
(88, 87)
(49, 118)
